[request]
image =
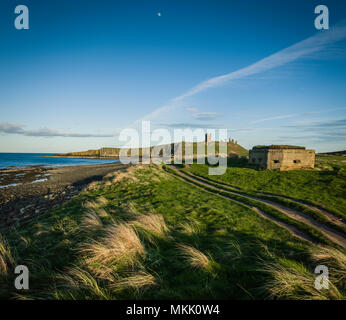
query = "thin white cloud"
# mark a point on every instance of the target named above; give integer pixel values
(13, 128)
(206, 116)
(192, 125)
(297, 115)
(275, 118)
(192, 110)
(304, 48)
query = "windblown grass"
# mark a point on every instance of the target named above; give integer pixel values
(77, 279)
(91, 205)
(91, 222)
(234, 251)
(196, 258)
(131, 208)
(335, 260)
(95, 185)
(190, 227)
(130, 251)
(120, 244)
(292, 280)
(153, 223)
(122, 176)
(7, 261)
(101, 201)
(138, 281)
(102, 213)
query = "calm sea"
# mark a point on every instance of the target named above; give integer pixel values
(22, 160)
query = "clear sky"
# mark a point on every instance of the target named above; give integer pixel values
(86, 69)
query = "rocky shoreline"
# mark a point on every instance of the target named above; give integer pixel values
(28, 192)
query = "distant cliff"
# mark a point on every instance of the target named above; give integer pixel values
(113, 153)
(335, 153)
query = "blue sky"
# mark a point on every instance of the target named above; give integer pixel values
(86, 69)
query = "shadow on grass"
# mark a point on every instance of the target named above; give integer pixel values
(52, 247)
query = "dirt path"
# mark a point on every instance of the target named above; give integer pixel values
(330, 216)
(335, 236)
(291, 229)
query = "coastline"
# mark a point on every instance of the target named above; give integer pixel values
(29, 192)
(84, 157)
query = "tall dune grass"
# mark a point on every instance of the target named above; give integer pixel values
(335, 260)
(90, 222)
(190, 227)
(196, 258)
(78, 278)
(120, 244)
(153, 223)
(7, 261)
(292, 280)
(138, 281)
(99, 202)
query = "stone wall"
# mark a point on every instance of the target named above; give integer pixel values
(283, 159)
(259, 157)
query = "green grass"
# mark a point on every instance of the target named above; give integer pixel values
(311, 231)
(320, 217)
(323, 187)
(148, 235)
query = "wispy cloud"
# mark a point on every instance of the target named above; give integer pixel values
(285, 116)
(179, 125)
(276, 118)
(323, 130)
(304, 48)
(335, 124)
(13, 128)
(339, 124)
(192, 110)
(206, 116)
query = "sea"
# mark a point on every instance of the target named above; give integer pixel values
(23, 160)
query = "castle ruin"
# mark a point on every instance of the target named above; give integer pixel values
(208, 137)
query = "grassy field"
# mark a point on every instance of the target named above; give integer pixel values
(324, 186)
(144, 234)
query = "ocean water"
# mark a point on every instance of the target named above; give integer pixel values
(22, 160)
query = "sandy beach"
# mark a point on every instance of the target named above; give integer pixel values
(28, 192)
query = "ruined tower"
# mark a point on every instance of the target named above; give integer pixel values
(208, 137)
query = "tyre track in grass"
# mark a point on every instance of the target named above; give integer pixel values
(332, 217)
(334, 236)
(291, 229)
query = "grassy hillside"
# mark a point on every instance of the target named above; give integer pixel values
(143, 233)
(232, 148)
(335, 153)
